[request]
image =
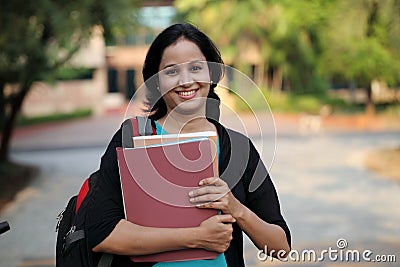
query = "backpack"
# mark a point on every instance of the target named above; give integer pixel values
(72, 248)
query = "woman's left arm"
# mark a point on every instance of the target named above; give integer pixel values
(214, 193)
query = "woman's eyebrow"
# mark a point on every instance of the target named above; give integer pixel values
(169, 65)
(189, 62)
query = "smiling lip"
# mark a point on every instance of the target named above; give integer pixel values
(187, 94)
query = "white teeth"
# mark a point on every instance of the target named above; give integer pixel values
(186, 93)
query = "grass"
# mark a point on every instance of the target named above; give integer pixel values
(81, 113)
(307, 103)
(288, 103)
(13, 178)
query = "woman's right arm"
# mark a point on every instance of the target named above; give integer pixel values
(127, 238)
(108, 231)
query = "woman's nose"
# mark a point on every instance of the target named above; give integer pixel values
(185, 79)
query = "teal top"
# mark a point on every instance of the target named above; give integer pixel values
(219, 261)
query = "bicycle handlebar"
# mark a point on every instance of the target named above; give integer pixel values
(4, 227)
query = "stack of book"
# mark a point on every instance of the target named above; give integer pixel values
(156, 178)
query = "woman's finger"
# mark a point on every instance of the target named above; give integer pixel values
(205, 198)
(225, 218)
(212, 205)
(212, 181)
(208, 190)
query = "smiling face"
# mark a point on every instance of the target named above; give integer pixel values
(184, 78)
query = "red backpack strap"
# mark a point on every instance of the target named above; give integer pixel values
(135, 126)
(82, 194)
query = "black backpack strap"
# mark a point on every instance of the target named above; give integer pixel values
(72, 237)
(144, 126)
(127, 133)
(105, 260)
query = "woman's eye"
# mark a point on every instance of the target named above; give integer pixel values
(171, 71)
(196, 68)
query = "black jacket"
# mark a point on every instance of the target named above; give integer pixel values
(239, 165)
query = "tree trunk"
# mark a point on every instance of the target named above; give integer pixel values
(277, 79)
(370, 107)
(259, 75)
(2, 105)
(9, 121)
(372, 20)
(266, 80)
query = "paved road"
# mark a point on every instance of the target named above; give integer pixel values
(325, 192)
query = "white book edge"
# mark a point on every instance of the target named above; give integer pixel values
(176, 136)
(197, 139)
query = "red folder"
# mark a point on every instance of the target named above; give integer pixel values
(155, 184)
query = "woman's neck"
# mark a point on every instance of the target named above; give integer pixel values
(185, 124)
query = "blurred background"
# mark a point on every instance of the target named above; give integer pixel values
(330, 71)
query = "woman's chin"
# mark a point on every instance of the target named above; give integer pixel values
(194, 106)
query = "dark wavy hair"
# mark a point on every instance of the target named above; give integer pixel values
(155, 103)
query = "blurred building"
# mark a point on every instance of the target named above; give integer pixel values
(125, 62)
(115, 71)
(87, 91)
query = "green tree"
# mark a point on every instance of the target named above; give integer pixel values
(302, 45)
(285, 35)
(37, 37)
(238, 27)
(362, 43)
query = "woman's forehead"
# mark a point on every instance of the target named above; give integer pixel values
(181, 51)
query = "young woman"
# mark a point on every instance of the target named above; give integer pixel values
(181, 100)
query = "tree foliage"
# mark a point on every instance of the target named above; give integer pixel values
(362, 43)
(308, 42)
(37, 37)
(286, 40)
(365, 44)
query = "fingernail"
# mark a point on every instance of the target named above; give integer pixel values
(190, 193)
(191, 200)
(201, 182)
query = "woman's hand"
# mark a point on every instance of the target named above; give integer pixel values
(214, 193)
(216, 233)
